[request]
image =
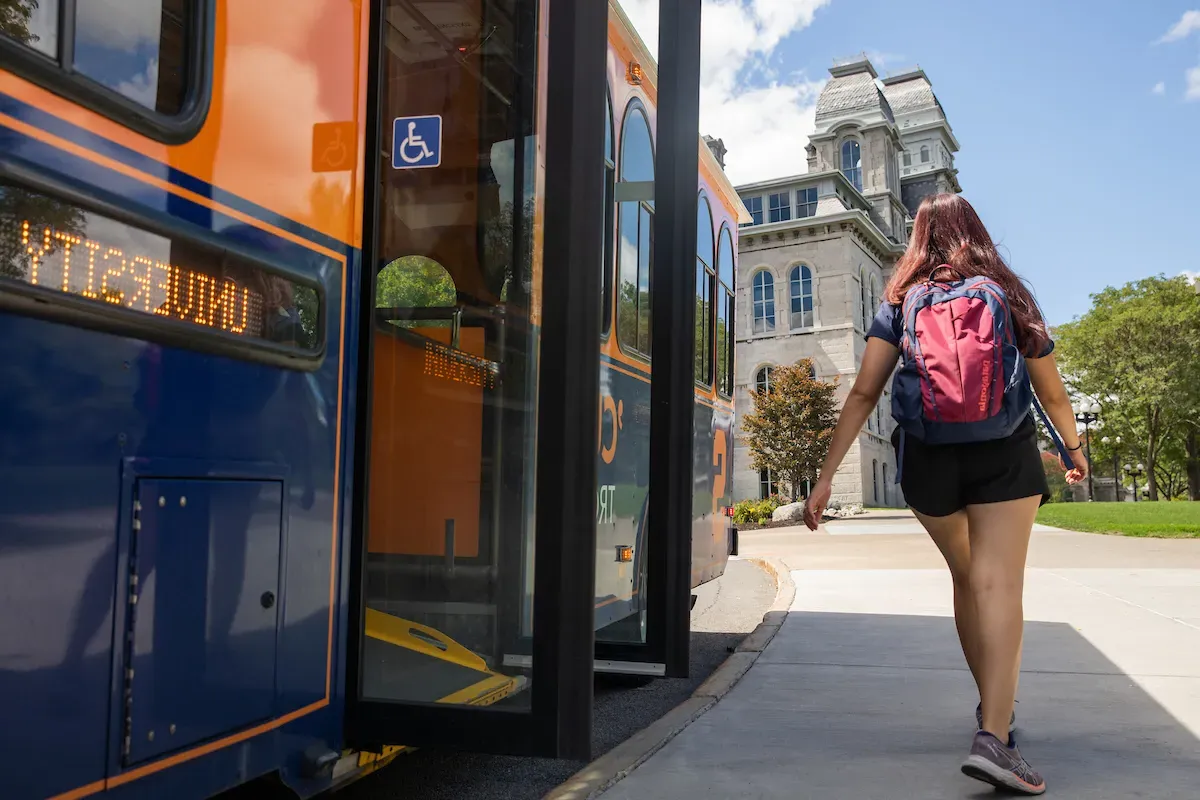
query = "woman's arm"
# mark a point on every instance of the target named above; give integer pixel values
(879, 360)
(1048, 385)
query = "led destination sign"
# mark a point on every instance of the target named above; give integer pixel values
(62, 248)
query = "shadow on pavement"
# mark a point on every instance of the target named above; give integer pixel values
(881, 707)
(620, 712)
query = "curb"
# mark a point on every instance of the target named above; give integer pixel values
(600, 775)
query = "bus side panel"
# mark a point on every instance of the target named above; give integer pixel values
(623, 484)
(713, 459)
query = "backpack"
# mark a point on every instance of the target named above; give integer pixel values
(962, 376)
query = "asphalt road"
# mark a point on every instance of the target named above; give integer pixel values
(725, 611)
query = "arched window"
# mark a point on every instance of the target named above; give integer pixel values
(924, 154)
(705, 282)
(635, 198)
(408, 288)
(724, 300)
(852, 162)
(764, 301)
(875, 479)
(800, 285)
(762, 381)
(610, 179)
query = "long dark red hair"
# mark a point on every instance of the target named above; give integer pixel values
(948, 232)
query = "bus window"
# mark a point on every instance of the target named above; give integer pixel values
(416, 292)
(141, 62)
(635, 193)
(725, 270)
(610, 173)
(704, 290)
(137, 48)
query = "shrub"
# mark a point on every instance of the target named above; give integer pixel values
(756, 512)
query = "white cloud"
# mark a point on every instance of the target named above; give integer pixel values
(120, 26)
(882, 59)
(765, 125)
(1159, 88)
(143, 87)
(1188, 24)
(1193, 84)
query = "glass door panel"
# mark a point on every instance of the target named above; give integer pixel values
(467, 433)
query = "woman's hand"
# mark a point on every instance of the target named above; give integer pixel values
(1079, 468)
(814, 506)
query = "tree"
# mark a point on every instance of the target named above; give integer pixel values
(792, 424)
(18, 206)
(1137, 348)
(15, 16)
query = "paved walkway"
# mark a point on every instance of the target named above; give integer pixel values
(864, 694)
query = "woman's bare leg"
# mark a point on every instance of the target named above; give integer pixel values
(951, 537)
(999, 536)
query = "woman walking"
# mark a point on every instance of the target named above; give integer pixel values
(974, 345)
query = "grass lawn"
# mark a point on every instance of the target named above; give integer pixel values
(1177, 520)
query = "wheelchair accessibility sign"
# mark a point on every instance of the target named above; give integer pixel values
(416, 142)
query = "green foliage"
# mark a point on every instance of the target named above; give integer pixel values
(415, 282)
(1159, 520)
(18, 206)
(791, 426)
(755, 512)
(14, 19)
(1135, 352)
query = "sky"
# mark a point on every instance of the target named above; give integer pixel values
(1079, 120)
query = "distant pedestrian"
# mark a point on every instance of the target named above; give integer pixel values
(976, 357)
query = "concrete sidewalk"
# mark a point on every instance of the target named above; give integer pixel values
(864, 694)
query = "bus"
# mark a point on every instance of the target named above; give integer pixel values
(311, 358)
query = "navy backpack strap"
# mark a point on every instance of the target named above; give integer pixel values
(1068, 461)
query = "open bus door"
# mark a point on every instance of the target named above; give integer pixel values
(659, 644)
(479, 346)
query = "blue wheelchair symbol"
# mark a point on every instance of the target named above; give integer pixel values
(416, 142)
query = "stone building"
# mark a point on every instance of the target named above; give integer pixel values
(822, 245)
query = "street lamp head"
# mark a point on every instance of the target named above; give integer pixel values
(1095, 409)
(1104, 440)
(1129, 468)
(1140, 468)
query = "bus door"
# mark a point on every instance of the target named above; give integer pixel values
(475, 454)
(653, 640)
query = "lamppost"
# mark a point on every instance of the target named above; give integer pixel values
(1135, 473)
(1117, 487)
(1087, 414)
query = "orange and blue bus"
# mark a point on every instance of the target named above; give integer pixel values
(325, 396)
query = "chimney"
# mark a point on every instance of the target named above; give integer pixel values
(717, 146)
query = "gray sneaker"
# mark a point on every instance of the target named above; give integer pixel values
(992, 762)
(1012, 722)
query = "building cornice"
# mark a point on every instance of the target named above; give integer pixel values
(925, 127)
(855, 220)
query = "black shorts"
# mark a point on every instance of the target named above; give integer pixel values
(939, 480)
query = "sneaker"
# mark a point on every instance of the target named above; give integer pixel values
(993, 762)
(1012, 722)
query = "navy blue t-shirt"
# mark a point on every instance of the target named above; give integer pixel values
(889, 326)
